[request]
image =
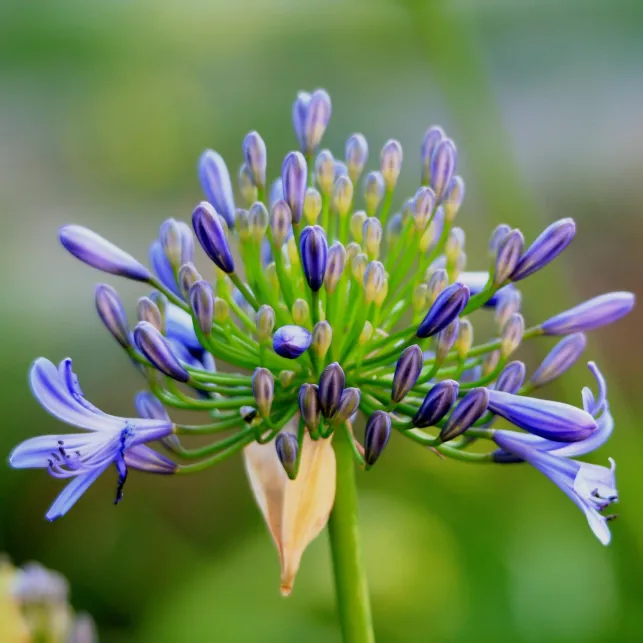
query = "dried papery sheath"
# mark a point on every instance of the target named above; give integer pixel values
(147, 310)
(430, 141)
(309, 405)
(291, 341)
(436, 404)
(255, 156)
(468, 411)
(407, 370)
(448, 305)
(202, 304)
(99, 253)
(564, 355)
(508, 256)
(263, 388)
(331, 387)
(314, 254)
(215, 180)
(551, 242)
(511, 378)
(373, 191)
(391, 162)
(591, 314)
(356, 155)
(376, 436)
(287, 448)
(293, 177)
(212, 237)
(158, 351)
(110, 310)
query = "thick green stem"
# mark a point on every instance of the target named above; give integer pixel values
(350, 580)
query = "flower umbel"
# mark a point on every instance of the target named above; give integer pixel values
(331, 297)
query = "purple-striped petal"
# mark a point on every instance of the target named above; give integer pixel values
(146, 459)
(72, 492)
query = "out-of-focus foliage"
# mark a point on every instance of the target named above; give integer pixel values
(104, 110)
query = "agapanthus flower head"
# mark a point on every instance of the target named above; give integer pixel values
(336, 301)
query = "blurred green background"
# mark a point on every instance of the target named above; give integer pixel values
(104, 110)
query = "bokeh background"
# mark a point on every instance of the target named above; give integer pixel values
(104, 110)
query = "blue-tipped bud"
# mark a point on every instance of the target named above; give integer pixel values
(293, 176)
(359, 264)
(391, 162)
(372, 236)
(436, 404)
(265, 321)
(202, 304)
(215, 180)
(280, 222)
(469, 410)
(512, 333)
(562, 357)
(276, 192)
(340, 170)
(312, 205)
(551, 242)
(423, 206)
(511, 378)
(508, 255)
(314, 254)
(373, 191)
(254, 154)
(110, 309)
(376, 436)
(342, 196)
(331, 387)
(497, 237)
(158, 351)
(453, 198)
(545, 418)
(594, 313)
(188, 276)
(258, 220)
(322, 337)
(334, 266)
(394, 228)
(299, 113)
(443, 162)
(374, 279)
(464, 342)
(247, 187)
(212, 237)
(287, 449)
(309, 406)
(291, 341)
(318, 112)
(356, 155)
(407, 370)
(149, 407)
(449, 304)
(325, 171)
(177, 241)
(348, 405)
(162, 304)
(438, 281)
(445, 340)
(99, 253)
(263, 388)
(147, 310)
(430, 141)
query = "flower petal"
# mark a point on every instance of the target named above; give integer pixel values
(144, 458)
(72, 492)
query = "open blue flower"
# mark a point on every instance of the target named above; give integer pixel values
(84, 456)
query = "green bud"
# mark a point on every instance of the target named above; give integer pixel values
(263, 388)
(242, 224)
(247, 188)
(372, 232)
(258, 220)
(342, 195)
(221, 310)
(374, 277)
(420, 298)
(325, 171)
(322, 337)
(312, 205)
(465, 338)
(265, 321)
(301, 312)
(357, 225)
(286, 378)
(358, 267)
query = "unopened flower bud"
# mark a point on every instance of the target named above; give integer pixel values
(314, 254)
(112, 313)
(352, 250)
(258, 220)
(511, 378)
(215, 180)
(436, 404)
(334, 266)
(357, 225)
(286, 378)
(490, 362)
(280, 222)
(287, 451)
(448, 305)
(564, 355)
(265, 322)
(263, 388)
(394, 229)
(372, 236)
(348, 405)
(188, 276)
(376, 436)
(294, 175)
(497, 237)
(423, 206)
(322, 337)
(469, 410)
(247, 187)
(512, 333)
(301, 312)
(212, 236)
(331, 387)
(453, 198)
(254, 154)
(407, 371)
(367, 332)
(443, 162)
(309, 405)
(358, 267)
(420, 298)
(272, 277)
(507, 305)
(433, 231)
(292, 252)
(147, 310)
(177, 241)
(446, 339)
(391, 162)
(312, 205)
(431, 138)
(242, 224)
(342, 197)
(316, 120)
(373, 191)
(508, 255)
(291, 341)
(276, 192)
(162, 304)
(465, 338)
(438, 281)
(325, 172)
(158, 351)
(221, 310)
(374, 278)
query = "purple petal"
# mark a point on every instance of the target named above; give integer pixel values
(163, 268)
(72, 492)
(146, 459)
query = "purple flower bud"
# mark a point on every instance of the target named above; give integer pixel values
(254, 154)
(299, 112)
(453, 197)
(276, 192)
(334, 266)
(445, 339)
(280, 222)
(340, 169)
(110, 309)
(497, 237)
(407, 370)
(443, 162)
(394, 228)
(265, 321)
(163, 268)
(423, 206)
(287, 450)
(449, 304)
(551, 242)
(508, 256)
(342, 196)
(316, 120)
(188, 276)
(202, 304)
(158, 351)
(508, 304)
(258, 220)
(436, 404)
(348, 405)
(263, 388)
(325, 171)
(293, 175)
(177, 241)
(376, 436)
(469, 410)
(438, 281)
(215, 180)
(373, 191)
(431, 138)
(545, 418)
(147, 310)
(331, 387)
(247, 187)
(356, 155)
(212, 236)
(560, 358)
(512, 333)
(148, 406)
(314, 253)
(99, 253)
(291, 341)
(594, 313)
(309, 405)
(391, 162)
(511, 378)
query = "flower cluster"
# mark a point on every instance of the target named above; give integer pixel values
(330, 296)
